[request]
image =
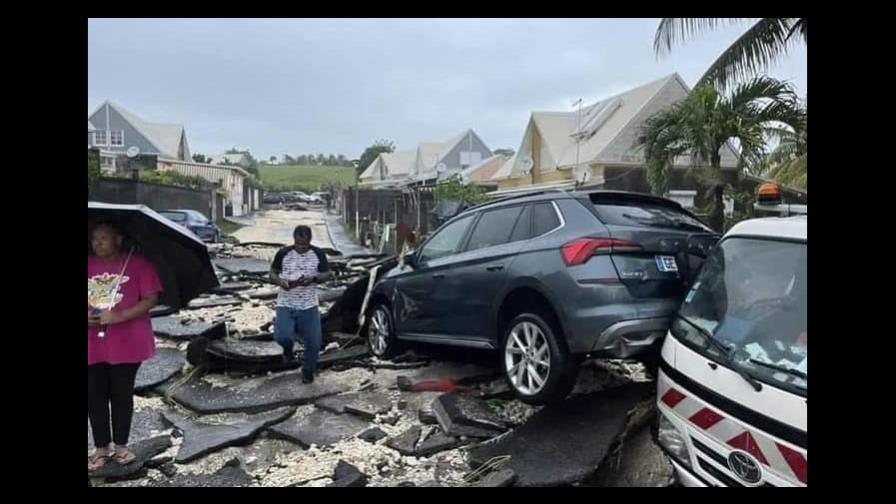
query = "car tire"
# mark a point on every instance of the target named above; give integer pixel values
(558, 376)
(380, 332)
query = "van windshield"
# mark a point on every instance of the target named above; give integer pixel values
(751, 297)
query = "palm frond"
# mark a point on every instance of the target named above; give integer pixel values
(672, 30)
(751, 53)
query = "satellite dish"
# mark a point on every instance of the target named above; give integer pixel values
(433, 159)
(582, 174)
(464, 178)
(441, 167)
(133, 151)
(526, 165)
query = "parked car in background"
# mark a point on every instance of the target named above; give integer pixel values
(272, 199)
(545, 279)
(195, 222)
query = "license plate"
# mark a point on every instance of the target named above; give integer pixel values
(666, 264)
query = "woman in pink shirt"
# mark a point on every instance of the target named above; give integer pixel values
(122, 287)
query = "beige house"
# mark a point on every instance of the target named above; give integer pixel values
(595, 146)
(388, 169)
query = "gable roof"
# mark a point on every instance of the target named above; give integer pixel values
(166, 138)
(398, 163)
(506, 169)
(90, 126)
(607, 129)
(484, 170)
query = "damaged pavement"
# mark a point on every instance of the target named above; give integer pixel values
(217, 407)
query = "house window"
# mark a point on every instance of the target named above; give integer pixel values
(108, 161)
(468, 158)
(116, 137)
(100, 137)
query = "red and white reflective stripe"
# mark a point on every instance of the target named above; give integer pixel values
(770, 453)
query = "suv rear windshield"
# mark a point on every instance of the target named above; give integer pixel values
(622, 211)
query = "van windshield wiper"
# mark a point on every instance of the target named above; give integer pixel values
(778, 367)
(727, 353)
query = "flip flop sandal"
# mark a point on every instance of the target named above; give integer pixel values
(96, 461)
(125, 457)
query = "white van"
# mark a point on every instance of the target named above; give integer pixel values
(733, 375)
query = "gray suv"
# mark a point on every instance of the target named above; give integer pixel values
(546, 279)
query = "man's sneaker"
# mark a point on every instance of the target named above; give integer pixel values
(307, 377)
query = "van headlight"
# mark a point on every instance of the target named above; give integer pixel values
(673, 441)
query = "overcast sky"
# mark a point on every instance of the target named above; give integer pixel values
(336, 85)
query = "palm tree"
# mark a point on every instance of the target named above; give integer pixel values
(787, 163)
(699, 127)
(760, 46)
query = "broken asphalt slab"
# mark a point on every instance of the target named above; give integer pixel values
(566, 442)
(366, 405)
(466, 416)
(238, 264)
(312, 426)
(437, 442)
(145, 424)
(347, 475)
(372, 435)
(409, 443)
(173, 328)
(166, 363)
(259, 356)
(231, 475)
(143, 450)
(213, 301)
(639, 463)
(202, 438)
(500, 478)
(255, 394)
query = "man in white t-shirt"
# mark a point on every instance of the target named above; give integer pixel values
(296, 270)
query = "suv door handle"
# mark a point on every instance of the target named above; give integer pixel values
(497, 267)
(438, 275)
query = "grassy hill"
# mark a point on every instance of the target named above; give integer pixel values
(304, 178)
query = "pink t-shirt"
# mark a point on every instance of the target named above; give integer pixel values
(132, 341)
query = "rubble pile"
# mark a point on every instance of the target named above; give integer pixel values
(218, 407)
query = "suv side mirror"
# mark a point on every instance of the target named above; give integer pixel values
(411, 259)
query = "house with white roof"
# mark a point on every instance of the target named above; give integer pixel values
(596, 146)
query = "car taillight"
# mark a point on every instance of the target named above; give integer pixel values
(579, 251)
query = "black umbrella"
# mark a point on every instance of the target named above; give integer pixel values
(181, 259)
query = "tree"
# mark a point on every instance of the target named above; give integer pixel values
(341, 161)
(703, 123)
(758, 48)
(199, 158)
(504, 152)
(320, 159)
(331, 160)
(234, 150)
(787, 163)
(454, 189)
(310, 159)
(93, 167)
(288, 160)
(273, 159)
(370, 153)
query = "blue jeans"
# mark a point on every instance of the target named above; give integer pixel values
(290, 321)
